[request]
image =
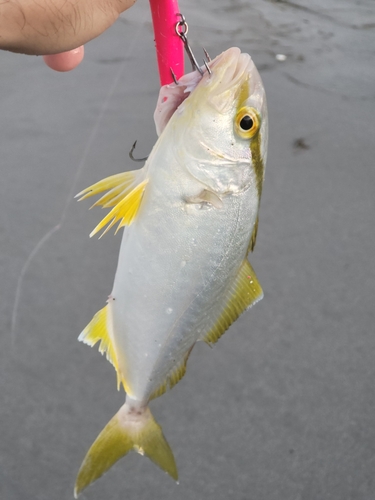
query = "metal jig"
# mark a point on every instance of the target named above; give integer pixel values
(131, 154)
(182, 29)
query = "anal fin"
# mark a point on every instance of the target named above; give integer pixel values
(244, 293)
(97, 331)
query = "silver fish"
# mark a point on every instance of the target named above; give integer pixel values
(183, 273)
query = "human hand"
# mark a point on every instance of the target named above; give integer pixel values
(53, 27)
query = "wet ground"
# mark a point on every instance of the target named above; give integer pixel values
(283, 407)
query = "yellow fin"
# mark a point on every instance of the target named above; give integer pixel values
(173, 377)
(114, 182)
(253, 236)
(124, 194)
(125, 210)
(130, 429)
(97, 330)
(160, 390)
(244, 293)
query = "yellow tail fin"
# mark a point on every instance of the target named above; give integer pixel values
(130, 429)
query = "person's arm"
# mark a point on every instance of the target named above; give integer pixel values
(52, 26)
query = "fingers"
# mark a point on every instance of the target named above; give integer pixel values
(46, 27)
(65, 61)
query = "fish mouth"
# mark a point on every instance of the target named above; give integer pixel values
(172, 96)
(229, 70)
(219, 86)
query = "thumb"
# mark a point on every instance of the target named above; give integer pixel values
(65, 61)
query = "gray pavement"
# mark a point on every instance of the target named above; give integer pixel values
(283, 408)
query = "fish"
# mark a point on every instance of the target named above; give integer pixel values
(191, 217)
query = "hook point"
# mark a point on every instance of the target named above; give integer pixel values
(174, 76)
(207, 55)
(207, 68)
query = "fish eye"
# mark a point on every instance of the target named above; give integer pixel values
(247, 122)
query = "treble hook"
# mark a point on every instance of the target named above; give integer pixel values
(182, 29)
(131, 154)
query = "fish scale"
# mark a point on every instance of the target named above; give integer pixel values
(175, 282)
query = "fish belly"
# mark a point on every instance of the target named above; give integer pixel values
(176, 262)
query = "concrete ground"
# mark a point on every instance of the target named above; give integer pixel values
(283, 408)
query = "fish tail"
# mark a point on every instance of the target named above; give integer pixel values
(132, 428)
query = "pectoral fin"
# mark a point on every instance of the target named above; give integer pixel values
(244, 293)
(206, 196)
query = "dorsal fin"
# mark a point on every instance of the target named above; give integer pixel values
(244, 293)
(253, 236)
(173, 377)
(124, 195)
(97, 330)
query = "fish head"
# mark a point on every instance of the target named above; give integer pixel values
(220, 123)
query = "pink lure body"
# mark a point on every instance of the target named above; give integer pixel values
(169, 46)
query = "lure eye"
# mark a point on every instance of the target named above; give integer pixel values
(247, 123)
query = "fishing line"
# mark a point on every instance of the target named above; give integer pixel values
(73, 189)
